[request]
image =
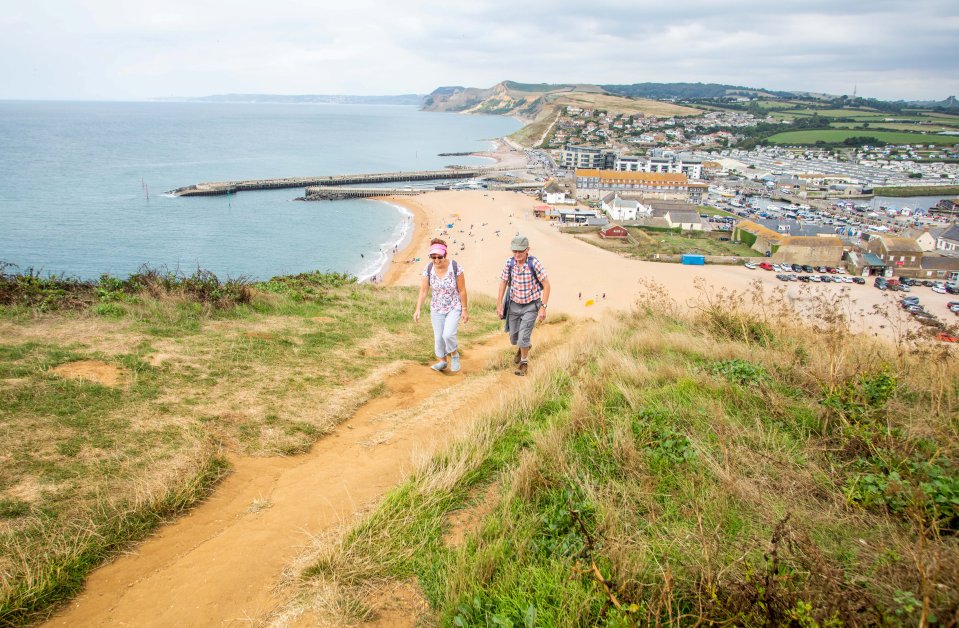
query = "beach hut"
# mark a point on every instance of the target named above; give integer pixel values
(541, 211)
(613, 232)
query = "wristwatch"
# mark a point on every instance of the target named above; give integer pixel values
(543, 305)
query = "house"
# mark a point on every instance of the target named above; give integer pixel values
(624, 207)
(555, 194)
(897, 252)
(613, 232)
(948, 240)
(678, 214)
(926, 238)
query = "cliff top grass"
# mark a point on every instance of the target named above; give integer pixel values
(120, 398)
(728, 466)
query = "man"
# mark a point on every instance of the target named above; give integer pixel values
(528, 298)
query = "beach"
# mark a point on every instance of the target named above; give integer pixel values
(588, 281)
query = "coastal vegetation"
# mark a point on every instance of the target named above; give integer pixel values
(938, 190)
(650, 243)
(839, 136)
(729, 466)
(122, 399)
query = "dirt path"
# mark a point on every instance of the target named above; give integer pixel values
(220, 564)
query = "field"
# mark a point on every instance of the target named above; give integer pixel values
(721, 468)
(118, 401)
(649, 244)
(833, 136)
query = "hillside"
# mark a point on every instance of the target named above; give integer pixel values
(539, 104)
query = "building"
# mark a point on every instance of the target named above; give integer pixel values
(948, 240)
(587, 157)
(926, 238)
(692, 167)
(678, 215)
(555, 194)
(896, 252)
(594, 184)
(613, 232)
(759, 238)
(939, 267)
(578, 217)
(812, 250)
(622, 208)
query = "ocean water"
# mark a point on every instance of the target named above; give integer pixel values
(81, 184)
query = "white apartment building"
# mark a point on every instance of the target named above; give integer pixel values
(671, 164)
(588, 157)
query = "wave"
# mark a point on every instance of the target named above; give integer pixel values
(398, 240)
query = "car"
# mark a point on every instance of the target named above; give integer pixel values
(943, 336)
(825, 278)
(797, 268)
(952, 303)
(952, 289)
(814, 278)
(806, 268)
(939, 289)
(803, 278)
(904, 288)
(928, 284)
(781, 277)
(750, 265)
(910, 299)
(860, 280)
(840, 270)
(766, 266)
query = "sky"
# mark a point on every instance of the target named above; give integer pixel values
(143, 49)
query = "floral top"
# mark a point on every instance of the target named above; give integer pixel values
(446, 297)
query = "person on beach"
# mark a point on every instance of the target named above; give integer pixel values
(445, 278)
(529, 288)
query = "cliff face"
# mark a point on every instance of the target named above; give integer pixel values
(503, 98)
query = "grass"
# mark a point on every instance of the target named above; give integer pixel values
(726, 467)
(86, 468)
(649, 244)
(834, 136)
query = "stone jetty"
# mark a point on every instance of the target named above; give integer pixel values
(232, 187)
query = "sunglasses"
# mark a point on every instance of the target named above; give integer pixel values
(437, 256)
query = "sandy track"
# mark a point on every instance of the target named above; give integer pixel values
(221, 564)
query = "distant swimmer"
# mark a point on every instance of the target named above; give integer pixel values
(361, 255)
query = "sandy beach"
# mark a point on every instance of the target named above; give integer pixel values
(588, 281)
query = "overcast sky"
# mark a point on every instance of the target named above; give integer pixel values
(137, 49)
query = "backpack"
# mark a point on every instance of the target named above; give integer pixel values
(429, 268)
(529, 264)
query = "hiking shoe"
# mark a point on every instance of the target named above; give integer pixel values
(439, 366)
(518, 357)
(522, 368)
(455, 363)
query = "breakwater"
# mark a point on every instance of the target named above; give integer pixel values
(232, 187)
(338, 193)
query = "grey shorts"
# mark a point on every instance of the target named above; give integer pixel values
(520, 321)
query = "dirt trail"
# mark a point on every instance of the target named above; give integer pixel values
(221, 563)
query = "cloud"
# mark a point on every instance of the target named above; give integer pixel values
(120, 49)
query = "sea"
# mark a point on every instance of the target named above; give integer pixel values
(83, 184)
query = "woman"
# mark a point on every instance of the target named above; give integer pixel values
(447, 305)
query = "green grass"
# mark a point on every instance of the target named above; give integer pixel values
(86, 468)
(836, 136)
(677, 470)
(648, 244)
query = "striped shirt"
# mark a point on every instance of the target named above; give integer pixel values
(524, 288)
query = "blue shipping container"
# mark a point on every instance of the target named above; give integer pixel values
(693, 260)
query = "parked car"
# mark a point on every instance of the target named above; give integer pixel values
(939, 288)
(860, 280)
(750, 265)
(766, 266)
(943, 336)
(796, 268)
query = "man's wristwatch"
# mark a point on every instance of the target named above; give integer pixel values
(543, 305)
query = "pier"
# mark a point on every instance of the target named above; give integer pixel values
(232, 187)
(338, 193)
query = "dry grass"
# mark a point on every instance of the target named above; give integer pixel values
(716, 479)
